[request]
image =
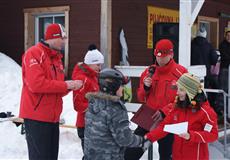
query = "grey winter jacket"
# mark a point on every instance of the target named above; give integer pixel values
(107, 131)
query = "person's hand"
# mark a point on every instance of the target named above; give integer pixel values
(77, 84)
(145, 144)
(74, 84)
(185, 136)
(147, 81)
(157, 117)
(70, 84)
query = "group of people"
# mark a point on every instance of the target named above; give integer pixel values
(102, 120)
(216, 63)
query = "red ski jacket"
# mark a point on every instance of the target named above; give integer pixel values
(202, 127)
(163, 90)
(90, 84)
(43, 84)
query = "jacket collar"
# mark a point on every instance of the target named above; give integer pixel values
(102, 95)
(50, 52)
(166, 68)
(87, 70)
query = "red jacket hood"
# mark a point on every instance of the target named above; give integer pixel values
(82, 68)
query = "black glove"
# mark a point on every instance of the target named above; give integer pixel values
(3, 115)
(17, 123)
(145, 144)
(146, 88)
(6, 115)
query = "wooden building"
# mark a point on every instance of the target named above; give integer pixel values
(22, 24)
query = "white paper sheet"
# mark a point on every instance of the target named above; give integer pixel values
(177, 128)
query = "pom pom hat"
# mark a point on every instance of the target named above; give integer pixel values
(190, 84)
(93, 56)
(55, 31)
(163, 48)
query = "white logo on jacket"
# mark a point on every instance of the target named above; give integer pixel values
(32, 62)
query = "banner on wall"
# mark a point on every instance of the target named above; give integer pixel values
(156, 14)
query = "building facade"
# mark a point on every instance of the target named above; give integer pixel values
(100, 21)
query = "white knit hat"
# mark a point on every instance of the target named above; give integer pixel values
(94, 57)
(202, 32)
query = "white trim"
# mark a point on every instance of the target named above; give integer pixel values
(198, 151)
(196, 7)
(188, 13)
(200, 136)
(207, 115)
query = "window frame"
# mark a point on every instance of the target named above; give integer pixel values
(211, 30)
(30, 15)
(44, 16)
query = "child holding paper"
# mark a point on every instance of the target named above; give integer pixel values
(190, 106)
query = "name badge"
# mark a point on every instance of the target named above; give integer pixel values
(208, 127)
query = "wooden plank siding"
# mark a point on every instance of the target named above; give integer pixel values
(84, 26)
(132, 16)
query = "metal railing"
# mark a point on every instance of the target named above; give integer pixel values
(225, 95)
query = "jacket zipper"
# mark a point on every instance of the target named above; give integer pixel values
(166, 87)
(39, 101)
(55, 72)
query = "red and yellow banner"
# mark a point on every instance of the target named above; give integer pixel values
(156, 14)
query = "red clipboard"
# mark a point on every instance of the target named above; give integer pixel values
(144, 118)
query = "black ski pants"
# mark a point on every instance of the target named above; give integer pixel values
(165, 147)
(80, 132)
(42, 139)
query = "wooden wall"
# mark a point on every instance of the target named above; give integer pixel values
(131, 15)
(84, 26)
(84, 22)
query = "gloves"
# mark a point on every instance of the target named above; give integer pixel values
(3, 115)
(6, 115)
(146, 88)
(145, 144)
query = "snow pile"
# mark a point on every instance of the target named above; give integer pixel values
(13, 144)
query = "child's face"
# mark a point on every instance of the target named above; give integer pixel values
(95, 67)
(181, 94)
(119, 92)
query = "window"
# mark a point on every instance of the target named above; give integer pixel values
(42, 21)
(36, 21)
(212, 27)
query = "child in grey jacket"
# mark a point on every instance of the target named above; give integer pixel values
(107, 131)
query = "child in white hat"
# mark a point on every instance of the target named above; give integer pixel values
(86, 71)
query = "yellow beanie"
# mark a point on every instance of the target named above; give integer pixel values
(190, 84)
(227, 29)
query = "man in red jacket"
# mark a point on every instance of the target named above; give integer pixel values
(42, 92)
(88, 73)
(156, 89)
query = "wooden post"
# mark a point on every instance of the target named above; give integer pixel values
(105, 33)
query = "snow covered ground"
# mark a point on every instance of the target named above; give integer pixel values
(13, 144)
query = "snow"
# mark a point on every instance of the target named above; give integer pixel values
(13, 144)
